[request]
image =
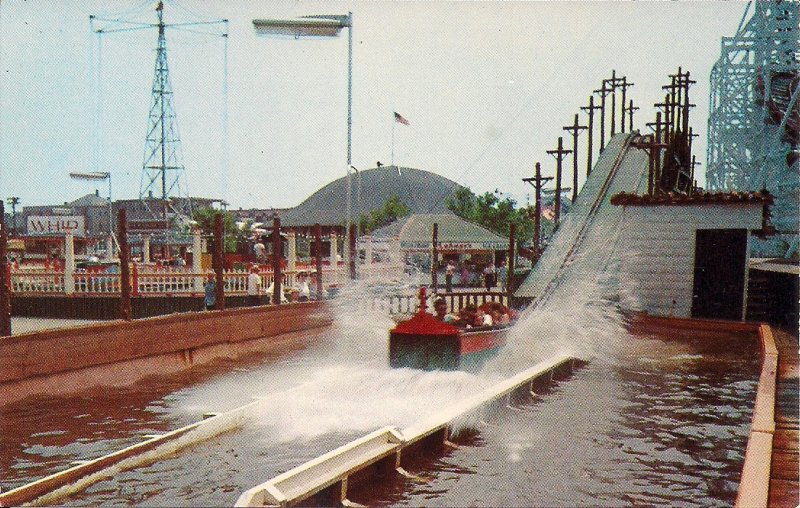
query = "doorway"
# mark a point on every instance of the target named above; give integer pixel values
(719, 273)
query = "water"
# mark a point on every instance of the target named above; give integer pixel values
(646, 422)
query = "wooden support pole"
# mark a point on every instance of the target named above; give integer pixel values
(277, 257)
(590, 109)
(537, 181)
(5, 277)
(613, 83)
(318, 254)
(351, 249)
(124, 265)
(603, 91)
(435, 258)
(575, 129)
(631, 109)
(512, 255)
(625, 85)
(559, 154)
(218, 263)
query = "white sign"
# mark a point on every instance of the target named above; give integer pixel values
(56, 224)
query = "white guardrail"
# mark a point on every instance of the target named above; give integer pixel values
(331, 470)
(334, 468)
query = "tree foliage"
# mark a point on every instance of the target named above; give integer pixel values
(204, 217)
(393, 209)
(493, 212)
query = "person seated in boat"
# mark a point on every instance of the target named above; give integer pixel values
(440, 312)
(466, 316)
(482, 318)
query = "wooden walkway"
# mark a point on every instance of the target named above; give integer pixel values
(785, 470)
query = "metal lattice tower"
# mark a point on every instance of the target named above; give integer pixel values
(163, 172)
(754, 113)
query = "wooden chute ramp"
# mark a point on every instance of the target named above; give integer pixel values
(327, 474)
(326, 478)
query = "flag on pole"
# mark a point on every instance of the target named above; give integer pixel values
(399, 118)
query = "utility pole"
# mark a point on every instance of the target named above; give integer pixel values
(575, 129)
(630, 109)
(590, 109)
(613, 82)
(13, 201)
(559, 155)
(538, 182)
(625, 85)
(667, 105)
(659, 128)
(650, 144)
(603, 91)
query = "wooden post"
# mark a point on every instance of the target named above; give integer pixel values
(435, 258)
(5, 277)
(559, 154)
(124, 266)
(630, 110)
(590, 109)
(603, 91)
(277, 254)
(135, 279)
(218, 263)
(575, 130)
(512, 239)
(537, 181)
(624, 87)
(318, 253)
(613, 83)
(352, 252)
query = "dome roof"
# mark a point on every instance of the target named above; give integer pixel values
(422, 191)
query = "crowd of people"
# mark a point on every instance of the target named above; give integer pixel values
(468, 274)
(303, 290)
(474, 316)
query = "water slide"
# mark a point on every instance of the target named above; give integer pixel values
(584, 243)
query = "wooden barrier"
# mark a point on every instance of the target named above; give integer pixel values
(753, 489)
(54, 351)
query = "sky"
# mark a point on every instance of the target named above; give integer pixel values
(486, 87)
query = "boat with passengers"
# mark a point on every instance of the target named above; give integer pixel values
(428, 342)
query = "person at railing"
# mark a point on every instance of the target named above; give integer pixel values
(313, 289)
(210, 287)
(449, 272)
(502, 276)
(489, 274)
(253, 287)
(304, 292)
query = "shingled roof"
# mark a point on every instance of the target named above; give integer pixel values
(415, 232)
(422, 191)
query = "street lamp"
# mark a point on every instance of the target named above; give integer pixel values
(322, 25)
(13, 201)
(99, 175)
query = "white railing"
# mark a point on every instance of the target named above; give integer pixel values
(163, 281)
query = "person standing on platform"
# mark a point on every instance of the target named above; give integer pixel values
(448, 276)
(253, 288)
(488, 276)
(502, 276)
(210, 287)
(260, 251)
(465, 275)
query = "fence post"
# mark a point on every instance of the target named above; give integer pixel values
(197, 265)
(146, 249)
(318, 243)
(353, 255)
(69, 263)
(510, 265)
(5, 278)
(277, 251)
(124, 272)
(135, 279)
(218, 263)
(435, 258)
(291, 255)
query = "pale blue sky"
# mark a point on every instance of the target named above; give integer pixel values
(486, 86)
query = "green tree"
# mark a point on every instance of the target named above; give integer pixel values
(204, 217)
(393, 209)
(493, 212)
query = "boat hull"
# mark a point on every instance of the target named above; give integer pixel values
(468, 350)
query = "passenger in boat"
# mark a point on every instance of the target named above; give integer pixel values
(482, 318)
(440, 312)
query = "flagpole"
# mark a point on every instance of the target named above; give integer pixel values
(394, 121)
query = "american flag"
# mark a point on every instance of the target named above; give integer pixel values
(399, 118)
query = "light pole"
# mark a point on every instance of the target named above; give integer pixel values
(100, 175)
(322, 25)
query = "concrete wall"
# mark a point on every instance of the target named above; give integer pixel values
(657, 246)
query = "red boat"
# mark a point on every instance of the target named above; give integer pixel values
(424, 342)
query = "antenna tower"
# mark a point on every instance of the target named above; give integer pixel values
(163, 175)
(754, 117)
